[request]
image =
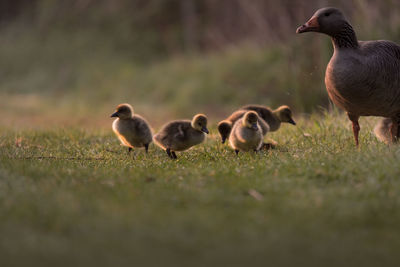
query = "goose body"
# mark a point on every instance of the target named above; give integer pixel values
(134, 132)
(365, 80)
(362, 77)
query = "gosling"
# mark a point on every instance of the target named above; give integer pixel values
(131, 129)
(181, 135)
(273, 118)
(225, 126)
(224, 129)
(247, 133)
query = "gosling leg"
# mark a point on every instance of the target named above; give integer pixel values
(129, 150)
(174, 155)
(169, 153)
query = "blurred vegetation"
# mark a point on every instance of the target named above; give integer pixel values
(182, 56)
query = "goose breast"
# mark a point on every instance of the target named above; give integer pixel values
(367, 81)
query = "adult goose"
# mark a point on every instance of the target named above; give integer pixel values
(362, 77)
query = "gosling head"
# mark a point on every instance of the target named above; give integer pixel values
(284, 114)
(250, 120)
(199, 122)
(123, 111)
(224, 129)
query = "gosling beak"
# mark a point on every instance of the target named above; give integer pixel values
(254, 126)
(205, 130)
(223, 140)
(115, 114)
(291, 121)
(311, 26)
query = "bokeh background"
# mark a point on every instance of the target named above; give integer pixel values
(71, 62)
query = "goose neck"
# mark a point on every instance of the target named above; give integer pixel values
(346, 38)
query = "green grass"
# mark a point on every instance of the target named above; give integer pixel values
(70, 195)
(74, 198)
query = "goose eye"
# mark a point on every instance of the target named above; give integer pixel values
(327, 14)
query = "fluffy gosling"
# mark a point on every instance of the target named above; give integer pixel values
(181, 135)
(224, 129)
(274, 118)
(247, 133)
(131, 129)
(225, 126)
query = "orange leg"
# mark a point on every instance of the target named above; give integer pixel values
(356, 126)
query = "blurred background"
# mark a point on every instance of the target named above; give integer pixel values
(71, 62)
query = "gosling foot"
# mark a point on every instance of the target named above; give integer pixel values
(171, 154)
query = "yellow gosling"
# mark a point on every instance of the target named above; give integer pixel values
(181, 135)
(225, 126)
(131, 129)
(247, 133)
(274, 118)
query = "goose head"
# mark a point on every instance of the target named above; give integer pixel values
(328, 20)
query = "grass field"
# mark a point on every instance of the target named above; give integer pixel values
(71, 197)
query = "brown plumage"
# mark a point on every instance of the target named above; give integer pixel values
(273, 119)
(181, 135)
(363, 78)
(131, 129)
